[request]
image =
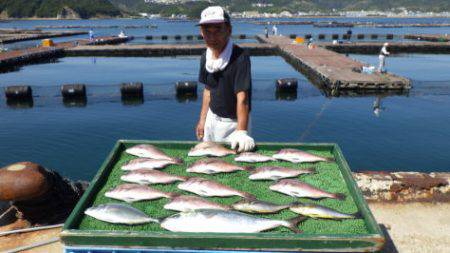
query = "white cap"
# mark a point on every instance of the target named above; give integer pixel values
(214, 15)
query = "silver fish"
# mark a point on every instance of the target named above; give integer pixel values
(210, 188)
(276, 173)
(209, 148)
(219, 221)
(136, 192)
(298, 156)
(318, 211)
(299, 189)
(150, 151)
(213, 166)
(185, 203)
(143, 176)
(147, 163)
(253, 157)
(257, 206)
(119, 214)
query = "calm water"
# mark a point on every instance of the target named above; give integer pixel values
(411, 132)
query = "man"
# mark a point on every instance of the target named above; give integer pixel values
(225, 70)
(274, 30)
(91, 35)
(382, 58)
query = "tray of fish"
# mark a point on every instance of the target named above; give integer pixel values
(204, 196)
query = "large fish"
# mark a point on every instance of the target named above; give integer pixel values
(119, 214)
(136, 192)
(219, 221)
(150, 151)
(298, 156)
(253, 157)
(257, 206)
(147, 163)
(185, 203)
(276, 173)
(143, 176)
(213, 166)
(318, 211)
(209, 148)
(210, 188)
(299, 189)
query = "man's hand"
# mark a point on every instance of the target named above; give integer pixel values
(200, 130)
(241, 140)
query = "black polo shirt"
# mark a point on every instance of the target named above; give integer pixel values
(225, 84)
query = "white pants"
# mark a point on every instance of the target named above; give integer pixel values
(218, 129)
(382, 63)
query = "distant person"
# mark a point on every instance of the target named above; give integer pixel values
(382, 57)
(310, 42)
(91, 34)
(122, 34)
(377, 108)
(349, 34)
(274, 30)
(266, 32)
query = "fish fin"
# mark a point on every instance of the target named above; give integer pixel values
(129, 200)
(183, 178)
(248, 168)
(293, 224)
(294, 203)
(248, 196)
(339, 196)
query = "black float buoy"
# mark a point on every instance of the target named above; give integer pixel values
(164, 37)
(374, 36)
(360, 36)
(321, 36)
(189, 37)
(286, 84)
(18, 92)
(346, 36)
(389, 36)
(132, 90)
(177, 37)
(242, 36)
(335, 36)
(293, 36)
(199, 37)
(73, 91)
(149, 37)
(186, 87)
(308, 36)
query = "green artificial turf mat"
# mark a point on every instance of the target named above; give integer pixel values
(327, 177)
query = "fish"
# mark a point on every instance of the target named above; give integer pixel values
(276, 173)
(220, 221)
(209, 188)
(318, 211)
(209, 148)
(299, 189)
(147, 163)
(185, 203)
(135, 192)
(299, 156)
(213, 166)
(253, 157)
(119, 214)
(143, 176)
(257, 206)
(150, 151)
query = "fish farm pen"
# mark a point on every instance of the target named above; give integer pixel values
(359, 234)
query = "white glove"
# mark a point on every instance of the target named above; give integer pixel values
(241, 140)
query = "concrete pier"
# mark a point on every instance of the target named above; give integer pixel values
(16, 37)
(429, 37)
(394, 47)
(332, 70)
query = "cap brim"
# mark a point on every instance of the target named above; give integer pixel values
(211, 22)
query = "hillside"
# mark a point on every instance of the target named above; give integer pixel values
(57, 8)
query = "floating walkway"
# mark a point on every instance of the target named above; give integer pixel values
(161, 50)
(394, 47)
(11, 38)
(429, 37)
(332, 70)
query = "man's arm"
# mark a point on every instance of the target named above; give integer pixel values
(242, 110)
(200, 129)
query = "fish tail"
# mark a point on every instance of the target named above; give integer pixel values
(178, 160)
(339, 196)
(248, 168)
(183, 178)
(292, 204)
(248, 196)
(330, 159)
(293, 224)
(172, 195)
(357, 215)
(311, 170)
